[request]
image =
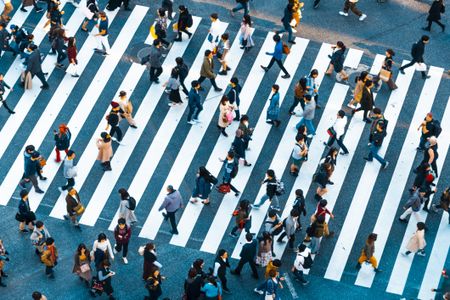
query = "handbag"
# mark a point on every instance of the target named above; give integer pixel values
(19, 217)
(141, 250)
(86, 12)
(422, 67)
(84, 268)
(331, 131)
(385, 75)
(79, 209)
(42, 161)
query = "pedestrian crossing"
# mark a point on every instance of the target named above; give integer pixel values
(332, 99)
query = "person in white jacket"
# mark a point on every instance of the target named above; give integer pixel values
(303, 254)
(101, 251)
(417, 243)
(337, 132)
(214, 31)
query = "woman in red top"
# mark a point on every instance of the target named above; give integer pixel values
(72, 53)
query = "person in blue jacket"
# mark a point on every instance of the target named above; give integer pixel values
(194, 102)
(273, 110)
(277, 55)
(202, 186)
(286, 20)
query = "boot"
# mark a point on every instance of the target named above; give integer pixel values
(58, 156)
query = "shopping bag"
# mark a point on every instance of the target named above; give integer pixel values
(422, 67)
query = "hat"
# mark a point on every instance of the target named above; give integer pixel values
(23, 193)
(114, 104)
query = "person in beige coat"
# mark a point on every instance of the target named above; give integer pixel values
(417, 242)
(357, 93)
(207, 71)
(105, 151)
(126, 108)
(226, 115)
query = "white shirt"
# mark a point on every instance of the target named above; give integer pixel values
(123, 103)
(215, 29)
(300, 259)
(297, 149)
(106, 245)
(339, 126)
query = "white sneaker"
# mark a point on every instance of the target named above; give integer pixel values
(362, 17)
(114, 249)
(125, 260)
(114, 139)
(196, 120)
(294, 31)
(191, 122)
(343, 13)
(258, 291)
(351, 106)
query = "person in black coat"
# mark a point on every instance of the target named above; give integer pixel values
(248, 254)
(337, 61)
(4, 40)
(286, 20)
(366, 101)
(113, 121)
(183, 72)
(417, 51)
(183, 22)
(34, 65)
(239, 146)
(434, 14)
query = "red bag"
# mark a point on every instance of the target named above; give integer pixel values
(224, 188)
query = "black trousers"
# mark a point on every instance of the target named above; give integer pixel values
(185, 90)
(291, 239)
(5, 104)
(241, 264)
(366, 112)
(155, 72)
(70, 183)
(41, 77)
(295, 103)
(213, 81)
(424, 74)
(183, 30)
(116, 129)
(125, 3)
(339, 142)
(119, 247)
(279, 63)
(61, 56)
(437, 22)
(223, 280)
(173, 223)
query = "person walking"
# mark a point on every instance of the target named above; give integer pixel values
(214, 31)
(74, 207)
(62, 140)
(184, 22)
(366, 102)
(207, 71)
(113, 121)
(24, 215)
(246, 39)
(417, 52)
(444, 202)
(377, 140)
(299, 93)
(427, 128)
(434, 14)
(105, 151)
(367, 253)
(412, 206)
(3, 257)
(308, 115)
(172, 203)
(212, 289)
(233, 96)
(273, 225)
(101, 251)
(32, 166)
(34, 66)
(273, 111)
(248, 131)
(272, 266)
(300, 206)
(161, 27)
(386, 72)
(239, 145)
(430, 155)
(337, 132)
(192, 285)
(69, 171)
(122, 234)
(357, 92)
(286, 21)
(203, 184)
(322, 178)
(7, 9)
(299, 155)
(38, 237)
(271, 191)
(417, 243)
(155, 60)
(173, 88)
(242, 218)
(277, 55)
(126, 108)
(290, 225)
(230, 170)
(271, 285)
(182, 71)
(337, 61)
(222, 52)
(351, 5)
(102, 35)
(221, 264)
(264, 250)
(248, 254)
(150, 260)
(105, 275)
(303, 261)
(312, 88)
(58, 45)
(50, 257)
(127, 207)
(225, 116)
(5, 36)
(241, 5)
(92, 8)
(82, 264)
(153, 285)
(317, 230)
(194, 103)
(3, 85)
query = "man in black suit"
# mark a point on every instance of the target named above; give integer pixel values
(34, 65)
(417, 51)
(248, 254)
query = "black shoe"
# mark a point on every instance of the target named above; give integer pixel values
(426, 77)
(66, 217)
(39, 191)
(318, 106)
(45, 87)
(368, 159)
(43, 178)
(401, 71)
(39, 10)
(23, 9)
(402, 220)
(292, 42)
(358, 266)
(223, 73)
(173, 232)
(265, 68)
(177, 40)
(133, 126)
(218, 89)
(426, 28)
(11, 112)
(286, 76)
(234, 272)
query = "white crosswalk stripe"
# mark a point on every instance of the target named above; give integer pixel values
(97, 199)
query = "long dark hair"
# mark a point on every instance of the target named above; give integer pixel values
(80, 247)
(247, 20)
(123, 194)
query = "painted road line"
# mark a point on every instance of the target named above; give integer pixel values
(377, 64)
(13, 73)
(366, 183)
(393, 196)
(260, 134)
(28, 98)
(282, 155)
(351, 140)
(353, 58)
(192, 211)
(83, 109)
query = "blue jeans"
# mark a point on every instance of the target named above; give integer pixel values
(374, 154)
(244, 6)
(288, 29)
(299, 275)
(264, 198)
(309, 125)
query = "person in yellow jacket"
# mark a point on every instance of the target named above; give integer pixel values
(50, 257)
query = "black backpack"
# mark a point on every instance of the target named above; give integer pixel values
(189, 21)
(308, 261)
(437, 129)
(211, 179)
(131, 203)
(235, 170)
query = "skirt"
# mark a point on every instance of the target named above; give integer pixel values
(263, 259)
(174, 96)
